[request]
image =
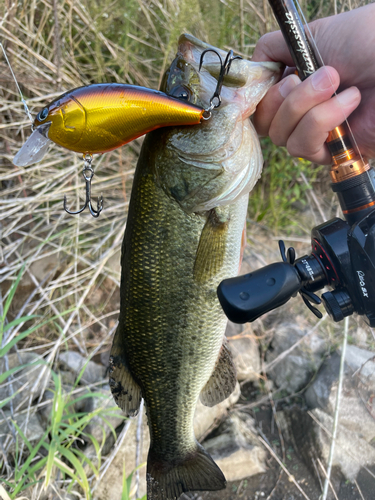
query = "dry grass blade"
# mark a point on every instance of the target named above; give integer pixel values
(290, 476)
(337, 410)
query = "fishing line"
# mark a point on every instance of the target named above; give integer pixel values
(28, 114)
(317, 52)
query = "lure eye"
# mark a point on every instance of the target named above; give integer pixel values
(42, 115)
(181, 92)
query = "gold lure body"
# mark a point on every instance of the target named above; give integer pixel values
(102, 117)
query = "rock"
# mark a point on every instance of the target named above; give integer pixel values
(40, 268)
(44, 411)
(111, 486)
(237, 450)
(103, 421)
(310, 438)
(233, 329)
(73, 361)
(317, 395)
(51, 492)
(362, 361)
(360, 337)
(357, 408)
(31, 428)
(207, 418)
(24, 380)
(356, 432)
(246, 357)
(296, 369)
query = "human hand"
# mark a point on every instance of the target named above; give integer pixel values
(298, 114)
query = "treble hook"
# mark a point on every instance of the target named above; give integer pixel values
(88, 174)
(223, 71)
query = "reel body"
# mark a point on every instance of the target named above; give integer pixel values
(342, 258)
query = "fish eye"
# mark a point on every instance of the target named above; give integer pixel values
(42, 115)
(181, 92)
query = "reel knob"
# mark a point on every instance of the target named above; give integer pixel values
(338, 304)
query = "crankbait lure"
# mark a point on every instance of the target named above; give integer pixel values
(101, 117)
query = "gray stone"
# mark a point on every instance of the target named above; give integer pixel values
(31, 428)
(237, 450)
(233, 329)
(206, 418)
(351, 453)
(45, 409)
(294, 370)
(317, 395)
(73, 361)
(363, 362)
(40, 268)
(357, 409)
(246, 357)
(24, 380)
(51, 492)
(102, 422)
(111, 486)
(356, 431)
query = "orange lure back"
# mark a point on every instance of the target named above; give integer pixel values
(102, 117)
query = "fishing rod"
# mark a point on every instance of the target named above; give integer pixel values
(343, 251)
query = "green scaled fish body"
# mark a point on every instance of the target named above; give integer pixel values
(183, 236)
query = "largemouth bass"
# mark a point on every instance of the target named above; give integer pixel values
(183, 236)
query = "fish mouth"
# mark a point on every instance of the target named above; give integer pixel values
(243, 74)
(34, 148)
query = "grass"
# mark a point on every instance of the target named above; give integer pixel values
(60, 275)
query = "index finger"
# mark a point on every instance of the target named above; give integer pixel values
(272, 47)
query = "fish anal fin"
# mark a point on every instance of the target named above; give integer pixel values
(212, 245)
(125, 391)
(223, 379)
(196, 472)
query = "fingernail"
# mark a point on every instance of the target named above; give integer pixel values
(288, 85)
(321, 81)
(348, 96)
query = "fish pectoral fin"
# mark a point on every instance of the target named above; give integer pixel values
(167, 480)
(223, 379)
(125, 391)
(212, 245)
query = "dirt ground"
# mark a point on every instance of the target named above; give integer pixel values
(274, 484)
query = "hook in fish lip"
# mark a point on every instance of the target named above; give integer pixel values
(35, 147)
(224, 70)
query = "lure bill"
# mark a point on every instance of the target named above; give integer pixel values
(101, 117)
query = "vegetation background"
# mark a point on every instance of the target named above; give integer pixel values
(59, 274)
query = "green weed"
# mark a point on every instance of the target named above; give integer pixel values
(58, 453)
(280, 193)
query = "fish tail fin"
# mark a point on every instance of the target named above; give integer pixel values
(196, 472)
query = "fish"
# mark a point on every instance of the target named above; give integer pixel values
(183, 237)
(101, 117)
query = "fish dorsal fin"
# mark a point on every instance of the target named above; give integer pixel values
(223, 379)
(126, 392)
(212, 245)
